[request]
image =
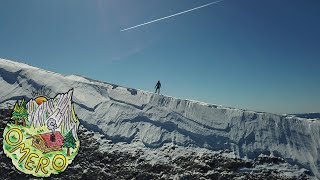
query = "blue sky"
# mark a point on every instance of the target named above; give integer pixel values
(260, 55)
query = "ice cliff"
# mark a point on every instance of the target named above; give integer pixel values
(126, 114)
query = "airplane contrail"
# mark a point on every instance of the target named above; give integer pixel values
(149, 22)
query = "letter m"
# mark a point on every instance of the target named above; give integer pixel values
(23, 150)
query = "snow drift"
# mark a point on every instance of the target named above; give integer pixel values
(126, 114)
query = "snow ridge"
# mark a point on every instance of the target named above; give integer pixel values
(126, 114)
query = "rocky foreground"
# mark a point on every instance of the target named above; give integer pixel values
(100, 158)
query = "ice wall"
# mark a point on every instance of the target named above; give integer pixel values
(125, 114)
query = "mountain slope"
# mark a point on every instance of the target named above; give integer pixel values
(125, 114)
(99, 158)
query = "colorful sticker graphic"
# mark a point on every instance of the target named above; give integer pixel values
(42, 138)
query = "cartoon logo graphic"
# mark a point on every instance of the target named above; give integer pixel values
(42, 138)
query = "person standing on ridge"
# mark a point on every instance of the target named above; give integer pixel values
(158, 86)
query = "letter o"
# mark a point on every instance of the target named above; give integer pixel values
(59, 167)
(8, 137)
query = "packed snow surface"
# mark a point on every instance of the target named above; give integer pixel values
(127, 115)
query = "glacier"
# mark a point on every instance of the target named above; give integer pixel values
(127, 114)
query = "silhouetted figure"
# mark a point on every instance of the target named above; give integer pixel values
(158, 86)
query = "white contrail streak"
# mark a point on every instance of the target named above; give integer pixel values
(149, 22)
